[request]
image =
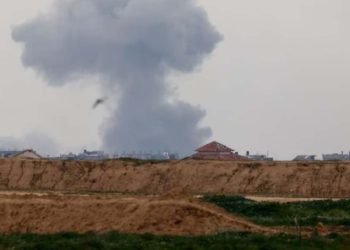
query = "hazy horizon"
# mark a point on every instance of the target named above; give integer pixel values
(277, 82)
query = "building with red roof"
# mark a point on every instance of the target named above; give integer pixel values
(217, 151)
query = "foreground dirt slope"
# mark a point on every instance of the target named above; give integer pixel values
(317, 179)
(103, 213)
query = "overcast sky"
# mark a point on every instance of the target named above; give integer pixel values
(278, 82)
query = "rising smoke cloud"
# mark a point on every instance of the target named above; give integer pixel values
(132, 46)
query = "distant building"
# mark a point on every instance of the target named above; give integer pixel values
(8, 153)
(150, 156)
(174, 156)
(69, 156)
(27, 154)
(336, 157)
(217, 151)
(305, 158)
(85, 155)
(24, 154)
(258, 157)
(92, 155)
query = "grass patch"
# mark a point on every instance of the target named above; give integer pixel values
(309, 213)
(114, 240)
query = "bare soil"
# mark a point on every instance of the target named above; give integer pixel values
(46, 196)
(271, 179)
(52, 213)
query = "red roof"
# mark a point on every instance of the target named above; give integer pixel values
(230, 156)
(214, 147)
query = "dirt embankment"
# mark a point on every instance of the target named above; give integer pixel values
(303, 179)
(103, 213)
(55, 212)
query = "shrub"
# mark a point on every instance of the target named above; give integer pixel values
(277, 214)
(226, 240)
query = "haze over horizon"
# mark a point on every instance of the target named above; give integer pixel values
(277, 82)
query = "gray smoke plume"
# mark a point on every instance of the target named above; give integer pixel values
(132, 45)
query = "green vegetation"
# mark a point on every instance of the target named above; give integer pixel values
(246, 241)
(309, 213)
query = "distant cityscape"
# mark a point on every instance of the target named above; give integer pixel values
(213, 150)
(101, 155)
(90, 155)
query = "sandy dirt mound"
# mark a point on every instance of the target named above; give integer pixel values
(100, 213)
(302, 179)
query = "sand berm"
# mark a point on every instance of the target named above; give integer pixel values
(302, 179)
